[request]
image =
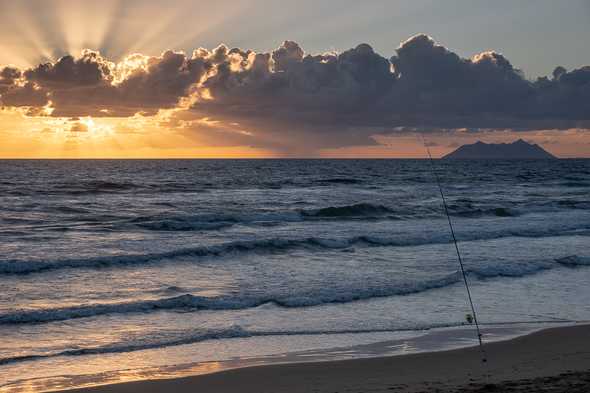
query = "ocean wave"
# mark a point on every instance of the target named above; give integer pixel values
(16, 267)
(93, 187)
(195, 303)
(576, 184)
(68, 209)
(235, 332)
(80, 218)
(215, 221)
(482, 212)
(208, 221)
(368, 210)
(349, 211)
(276, 244)
(358, 211)
(574, 261)
(355, 212)
(197, 336)
(264, 245)
(574, 204)
(340, 180)
(181, 225)
(328, 296)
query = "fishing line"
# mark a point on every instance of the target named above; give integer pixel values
(460, 259)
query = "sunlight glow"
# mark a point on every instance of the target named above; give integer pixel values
(128, 32)
(47, 30)
(73, 19)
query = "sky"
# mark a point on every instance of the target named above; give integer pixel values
(261, 78)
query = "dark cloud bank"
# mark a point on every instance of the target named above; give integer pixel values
(333, 99)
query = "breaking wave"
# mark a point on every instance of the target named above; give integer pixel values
(195, 303)
(481, 212)
(358, 210)
(193, 337)
(15, 267)
(244, 301)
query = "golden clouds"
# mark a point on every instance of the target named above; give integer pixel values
(285, 101)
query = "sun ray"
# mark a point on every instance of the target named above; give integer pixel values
(215, 20)
(74, 17)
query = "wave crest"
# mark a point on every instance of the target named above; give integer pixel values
(193, 337)
(194, 303)
(350, 211)
(244, 301)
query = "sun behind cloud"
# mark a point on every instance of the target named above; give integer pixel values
(288, 103)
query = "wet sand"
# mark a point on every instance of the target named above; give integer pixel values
(553, 360)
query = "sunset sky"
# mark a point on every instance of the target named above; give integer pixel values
(331, 78)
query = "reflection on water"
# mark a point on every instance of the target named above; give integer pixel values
(81, 374)
(109, 267)
(107, 378)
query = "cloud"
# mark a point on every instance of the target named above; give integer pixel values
(285, 85)
(287, 99)
(27, 95)
(440, 87)
(8, 76)
(333, 100)
(70, 73)
(13, 94)
(92, 86)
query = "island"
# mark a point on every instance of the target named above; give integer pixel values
(518, 150)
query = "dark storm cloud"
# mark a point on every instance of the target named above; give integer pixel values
(565, 96)
(438, 88)
(423, 87)
(277, 98)
(436, 82)
(285, 97)
(285, 85)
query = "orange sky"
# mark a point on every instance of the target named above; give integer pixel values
(220, 103)
(40, 137)
(177, 131)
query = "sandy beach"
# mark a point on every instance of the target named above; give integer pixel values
(554, 360)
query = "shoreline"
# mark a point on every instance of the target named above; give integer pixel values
(541, 354)
(333, 348)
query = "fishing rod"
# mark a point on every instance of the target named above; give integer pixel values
(484, 358)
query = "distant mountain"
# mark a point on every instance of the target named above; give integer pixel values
(519, 150)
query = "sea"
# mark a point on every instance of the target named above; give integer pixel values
(118, 270)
